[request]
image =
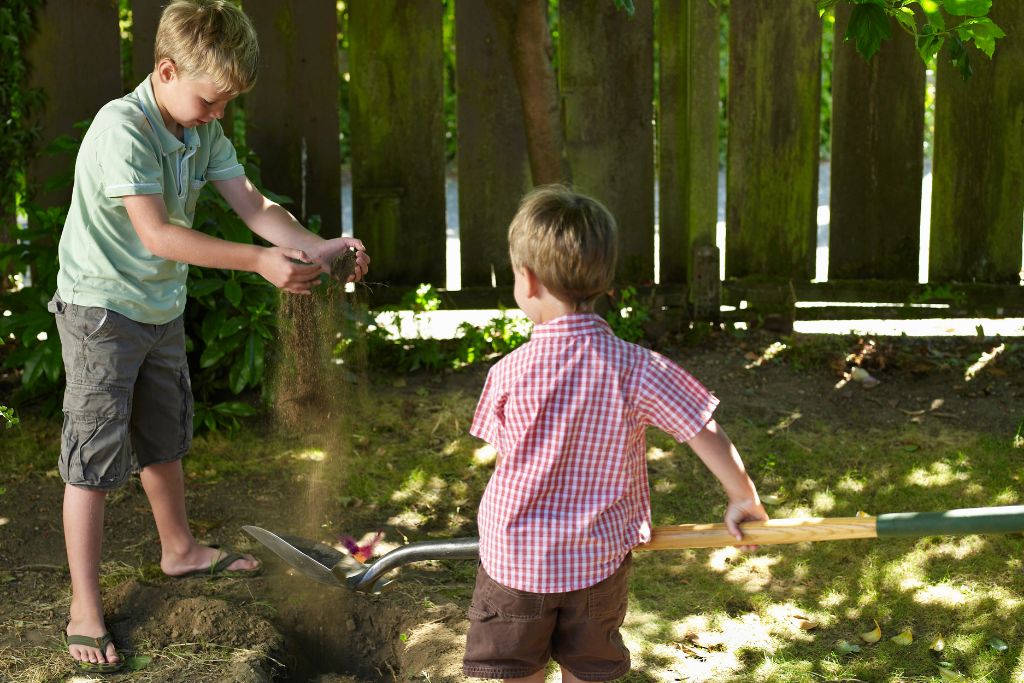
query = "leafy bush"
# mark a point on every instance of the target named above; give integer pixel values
(228, 321)
(628, 315)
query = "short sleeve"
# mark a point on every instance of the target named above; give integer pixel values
(489, 417)
(223, 160)
(672, 400)
(128, 161)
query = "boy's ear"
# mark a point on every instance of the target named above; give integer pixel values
(533, 285)
(166, 70)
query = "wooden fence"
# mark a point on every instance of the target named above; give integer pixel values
(626, 133)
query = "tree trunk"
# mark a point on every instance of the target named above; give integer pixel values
(538, 91)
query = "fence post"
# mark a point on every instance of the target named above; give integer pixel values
(607, 84)
(772, 174)
(877, 157)
(76, 60)
(292, 114)
(687, 133)
(493, 166)
(396, 106)
(978, 182)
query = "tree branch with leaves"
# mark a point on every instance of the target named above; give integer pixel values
(933, 24)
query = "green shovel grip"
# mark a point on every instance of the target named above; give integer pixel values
(993, 520)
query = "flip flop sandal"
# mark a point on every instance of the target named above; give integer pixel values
(220, 567)
(100, 644)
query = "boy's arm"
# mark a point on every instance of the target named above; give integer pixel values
(148, 215)
(713, 446)
(278, 226)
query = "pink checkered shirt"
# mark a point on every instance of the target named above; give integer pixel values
(567, 413)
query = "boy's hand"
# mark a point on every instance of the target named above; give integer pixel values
(290, 269)
(331, 249)
(739, 511)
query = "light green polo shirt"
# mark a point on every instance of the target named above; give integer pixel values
(128, 151)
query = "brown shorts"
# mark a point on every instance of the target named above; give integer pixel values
(513, 633)
(128, 397)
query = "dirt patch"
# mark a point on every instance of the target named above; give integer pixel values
(281, 627)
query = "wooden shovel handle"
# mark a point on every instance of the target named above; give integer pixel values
(771, 532)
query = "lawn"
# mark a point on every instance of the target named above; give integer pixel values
(392, 453)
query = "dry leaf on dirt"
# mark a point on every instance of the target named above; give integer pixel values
(864, 378)
(872, 636)
(904, 638)
(803, 621)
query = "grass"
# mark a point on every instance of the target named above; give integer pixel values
(404, 462)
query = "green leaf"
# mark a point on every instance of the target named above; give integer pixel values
(233, 292)
(984, 32)
(625, 5)
(968, 8)
(958, 55)
(929, 44)
(998, 644)
(905, 16)
(138, 662)
(869, 26)
(234, 409)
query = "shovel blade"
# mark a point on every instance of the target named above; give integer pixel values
(311, 559)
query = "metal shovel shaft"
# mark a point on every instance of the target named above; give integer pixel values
(346, 572)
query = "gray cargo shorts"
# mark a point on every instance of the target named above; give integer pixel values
(128, 396)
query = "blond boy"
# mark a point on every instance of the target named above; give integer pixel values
(569, 496)
(124, 256)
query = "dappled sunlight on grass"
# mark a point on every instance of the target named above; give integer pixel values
(937, 474)
(849, 484)
(823, 503)
(654, 454)
(485, 455)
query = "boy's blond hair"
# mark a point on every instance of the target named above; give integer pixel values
(210, 39)
(569, 242)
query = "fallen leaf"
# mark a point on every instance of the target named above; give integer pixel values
(872, 636)
(904, 638)
(844, 647)
(998, 644)
(803, 621)
(937, 403)
(950, 675)
(138, 662)
(938, 645)
(862, 376)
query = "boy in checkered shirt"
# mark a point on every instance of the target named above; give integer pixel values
(569, 497)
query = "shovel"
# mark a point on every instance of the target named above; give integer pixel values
(332, 567)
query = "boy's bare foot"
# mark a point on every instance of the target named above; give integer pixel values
(85, 653)
(200, 558)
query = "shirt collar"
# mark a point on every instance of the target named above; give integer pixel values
(168, 142)
(571, 325)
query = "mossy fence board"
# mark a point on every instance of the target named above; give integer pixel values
(75, 60)
(292, 115)
(772, 165)
(687, 133)
(607, 85)
(494, 170)
(397, 116)
(606, 69)
(978, 186)
(877, 159)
